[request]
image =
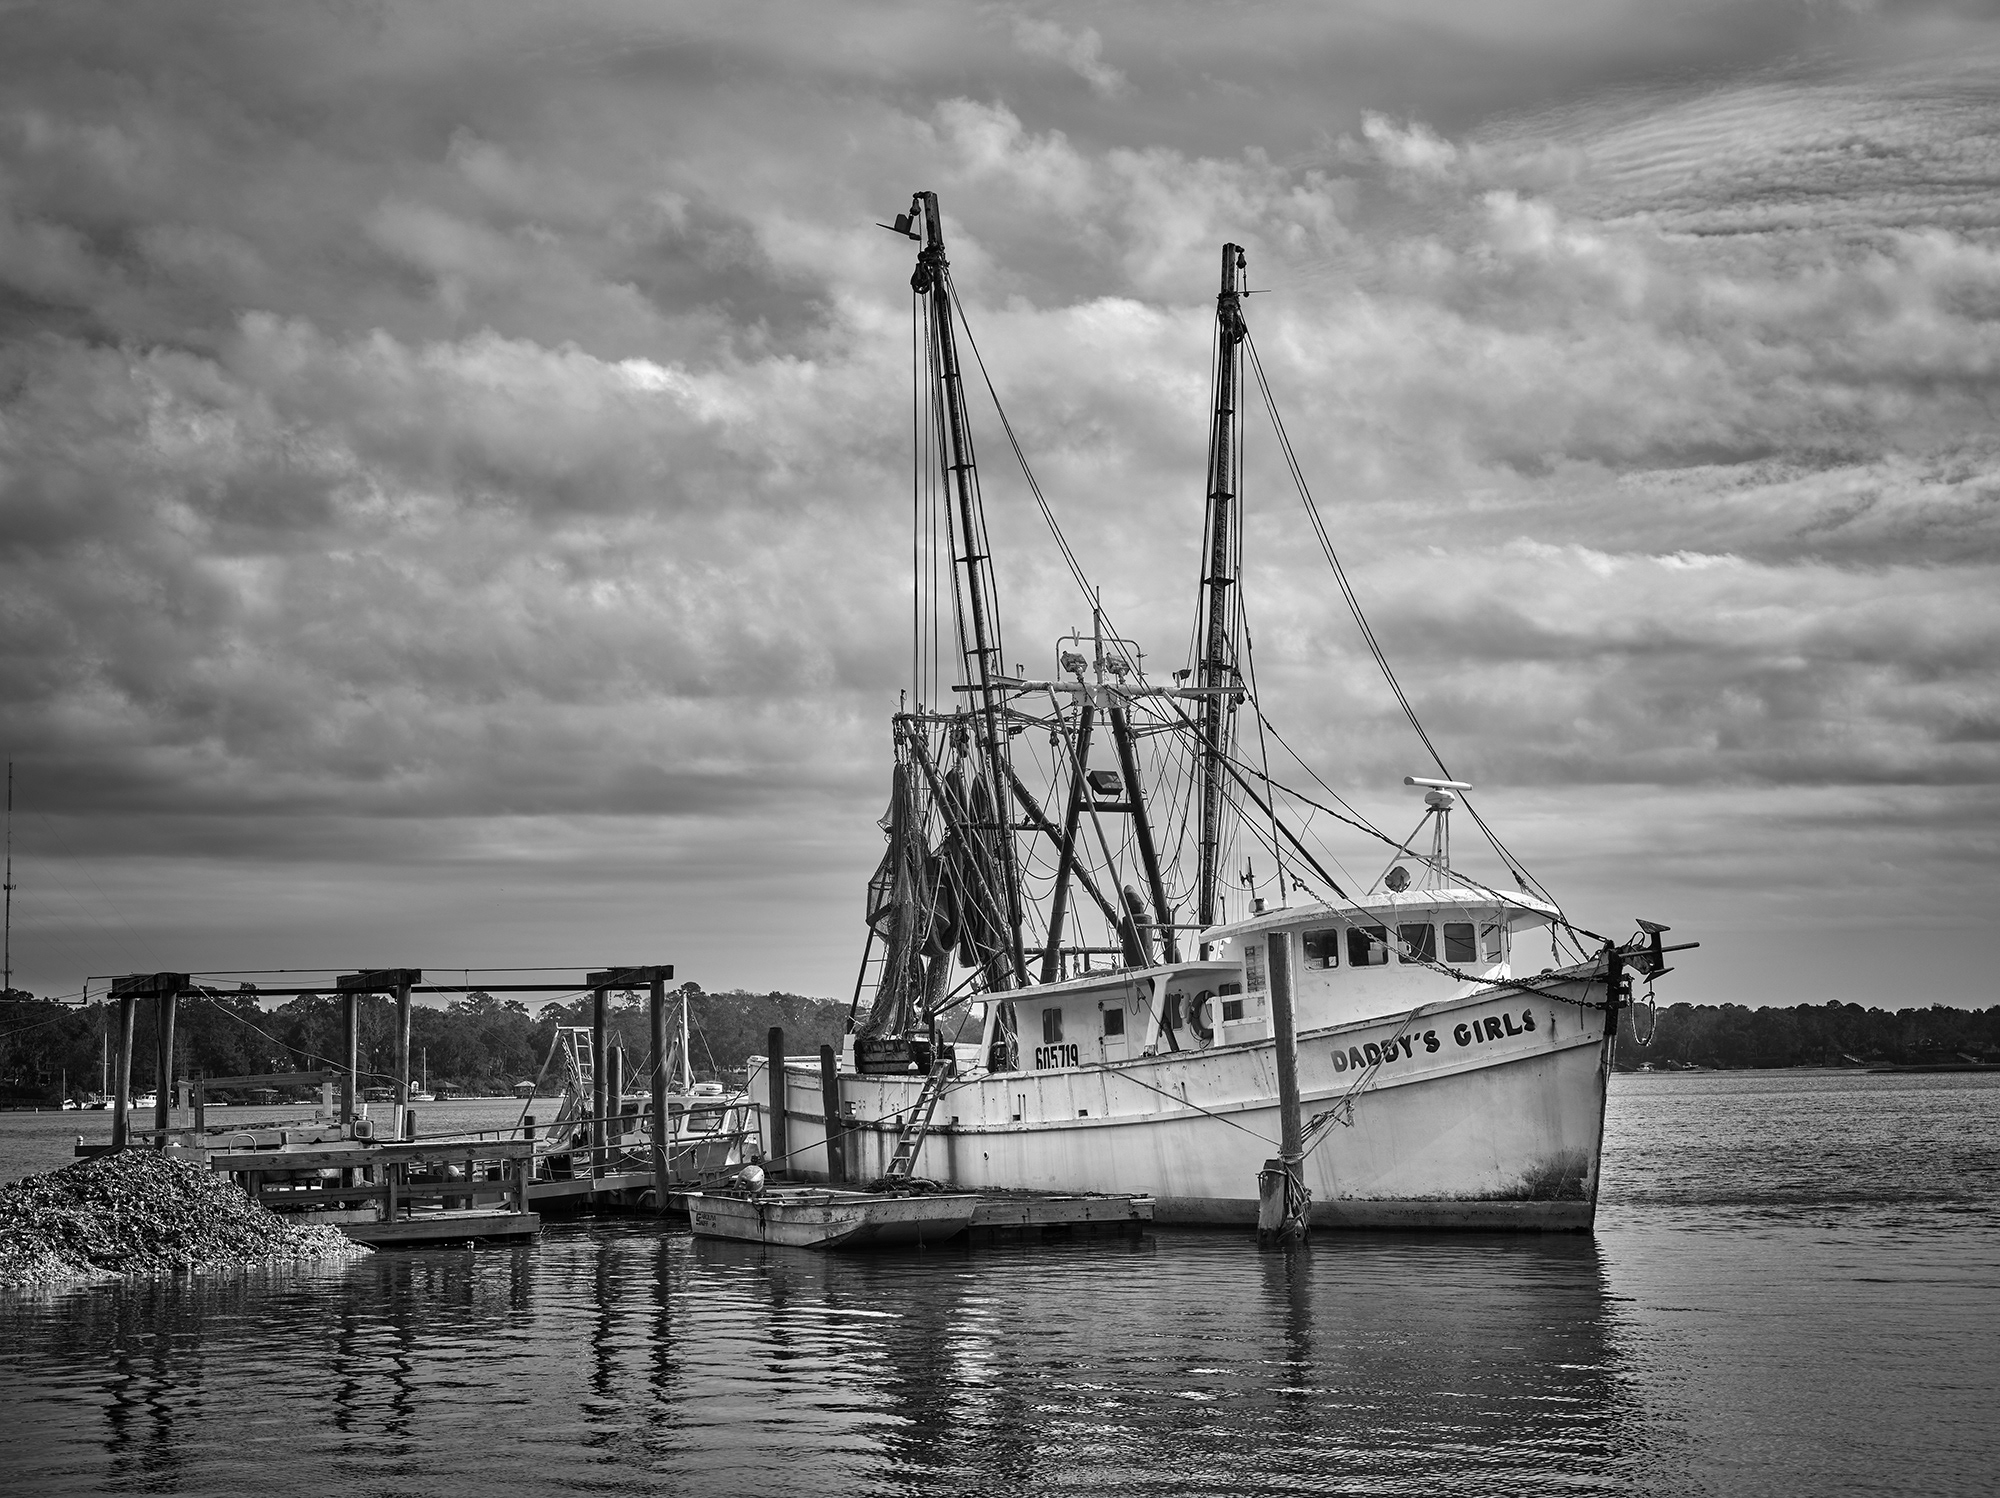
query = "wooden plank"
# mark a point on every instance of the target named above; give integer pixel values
(445, 1227)
(419, 1149)
(236, 1161)
(277, 1198)
(1058, 1211)
(624, 1180)
(368, 1154)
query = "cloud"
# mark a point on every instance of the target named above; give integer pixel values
(1079, 51)
(475, 456)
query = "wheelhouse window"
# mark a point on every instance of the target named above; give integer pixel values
(1458, 943)
(1114, 1022)
(1232, 1010)
(1419, 941)
(1367, 946)
(1322, 948)
(1051, 1026)
(1493, 939)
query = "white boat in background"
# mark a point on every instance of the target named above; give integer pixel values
(422, 1092)
(1141, 1027)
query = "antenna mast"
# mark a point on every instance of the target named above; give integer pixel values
(1217, 667)
(983, 654)
(7, 941)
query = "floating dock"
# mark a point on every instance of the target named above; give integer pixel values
(1027, 1217)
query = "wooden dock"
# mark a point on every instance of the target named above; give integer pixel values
(401, 1192)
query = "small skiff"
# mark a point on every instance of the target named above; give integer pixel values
(830, 1219)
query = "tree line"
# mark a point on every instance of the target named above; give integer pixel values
(482, 1044)
(1831, 1034)
(479, 1044)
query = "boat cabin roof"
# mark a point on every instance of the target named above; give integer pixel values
(1385, 904)
(1106, 977)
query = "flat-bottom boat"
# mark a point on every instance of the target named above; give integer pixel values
(830, 1219)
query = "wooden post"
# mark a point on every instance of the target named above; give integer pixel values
(1293, 1223)
(402, 1053)
(121, 1102)
(390, 980)
(165, 1002)
(200, 1106)
(614, 1113)
(780, 1152)
(829, 1094)
(350, 1051)
(598, 1089)
(128, 990)
(607, 1093)
(662, 1119)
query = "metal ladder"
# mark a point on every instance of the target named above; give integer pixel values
(582, 1059)
(917, 1122)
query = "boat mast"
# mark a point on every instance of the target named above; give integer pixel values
(1217, 667)
(932, 279)
(687, 1070)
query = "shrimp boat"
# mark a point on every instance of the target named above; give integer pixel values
(1060, 990)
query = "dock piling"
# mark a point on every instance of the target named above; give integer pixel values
(657, 1017)
(402, 1057)
(1285, 1200)
(166, 1003)
(602, 1097)
(350, 1050)
(614, 1111)
(128, 990)
(599, 1132)
(779, 1160)
(121, 1102)
(829, 1092)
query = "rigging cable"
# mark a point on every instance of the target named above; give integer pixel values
(1374, 645)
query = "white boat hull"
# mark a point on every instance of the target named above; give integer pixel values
(830, 1219)
(1499, 1132)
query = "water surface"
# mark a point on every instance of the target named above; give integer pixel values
(1795, 1282)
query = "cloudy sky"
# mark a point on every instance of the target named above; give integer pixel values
(454, 468)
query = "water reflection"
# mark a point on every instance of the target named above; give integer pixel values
(1758, 1312)
(616, 1356)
